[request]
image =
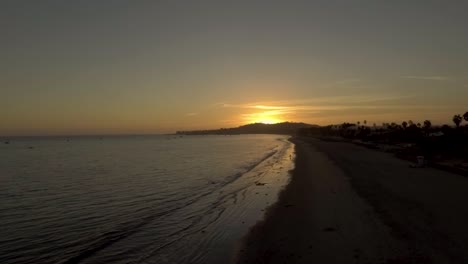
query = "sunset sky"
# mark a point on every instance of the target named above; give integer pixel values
(110, 67)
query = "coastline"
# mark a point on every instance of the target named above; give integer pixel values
(348, 204)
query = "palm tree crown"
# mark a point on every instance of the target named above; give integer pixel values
(427, 124)
(457, 119)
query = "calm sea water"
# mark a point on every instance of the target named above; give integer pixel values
(140, 199)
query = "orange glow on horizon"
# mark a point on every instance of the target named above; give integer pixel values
(267, 121)
(263, 117)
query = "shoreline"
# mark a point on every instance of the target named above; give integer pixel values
(348, 204)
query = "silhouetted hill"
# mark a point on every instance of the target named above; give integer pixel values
(257, 128)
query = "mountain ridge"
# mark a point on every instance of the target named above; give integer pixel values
(254, 128)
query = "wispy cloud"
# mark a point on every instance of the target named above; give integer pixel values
(293, 109)
(427, 78)
(256, 106)
(347, 81)
(192, 114)
(321, 103)
(337, 108)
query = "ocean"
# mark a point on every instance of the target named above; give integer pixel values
(136, 199)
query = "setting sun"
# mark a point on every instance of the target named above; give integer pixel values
(268, 121)
(264, 117)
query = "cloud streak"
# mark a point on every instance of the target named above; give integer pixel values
(347, 81)
(328, 109)
(427, 78)
(322, 103)
(297, 110)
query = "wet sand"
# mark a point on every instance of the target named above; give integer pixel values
(349, 204)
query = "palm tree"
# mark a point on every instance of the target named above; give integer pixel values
(404, 124)
(465, 116)
(427, 124)
(457, 119)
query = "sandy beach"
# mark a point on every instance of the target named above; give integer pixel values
(349, 204)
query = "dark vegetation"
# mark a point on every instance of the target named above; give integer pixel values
(441, 146)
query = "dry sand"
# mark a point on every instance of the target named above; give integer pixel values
(349, 204)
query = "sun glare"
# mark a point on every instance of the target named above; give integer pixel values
(267, 121)
(264, 118)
